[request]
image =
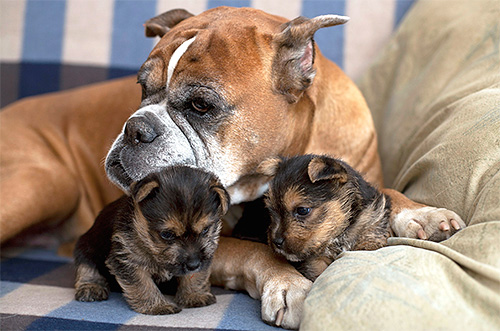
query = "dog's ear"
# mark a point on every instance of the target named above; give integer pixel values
(269, 167)
(321, 168)
(293, 65)
(161, 24)
(223, 199)
(140, 190)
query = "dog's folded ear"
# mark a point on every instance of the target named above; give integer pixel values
(293, 65)
(222, 197)
(269, 167)
(161, 24)
(140, 190)
(323, 168)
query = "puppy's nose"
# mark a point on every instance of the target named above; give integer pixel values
(278, 241)
(193, 263)
(140, 130)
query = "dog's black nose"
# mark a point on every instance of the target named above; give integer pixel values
(140, 130)
(278, 241)
(193, 263)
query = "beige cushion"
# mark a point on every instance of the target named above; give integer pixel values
(435, 97)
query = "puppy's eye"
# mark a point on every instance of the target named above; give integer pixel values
(302, 211)
(200, 106)
(205, 231)
(167, 235)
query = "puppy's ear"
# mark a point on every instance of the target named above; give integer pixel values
(223, 198)
(293, 70)
(161, 24)
(140, 190)
(320, 168)
(269, 167)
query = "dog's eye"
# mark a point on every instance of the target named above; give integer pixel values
(200, 106)
(167, 235)
(302, 211)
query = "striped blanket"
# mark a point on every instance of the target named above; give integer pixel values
(36, 293)
(52, 45)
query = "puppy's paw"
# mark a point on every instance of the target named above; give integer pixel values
(91, 292)
(283, 300)
(196, 299)
(164, 308)
(428, 223)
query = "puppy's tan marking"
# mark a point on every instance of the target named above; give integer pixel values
(316, 170)
(90, 284)
(194, 291)
(145, 190)
(293, 197)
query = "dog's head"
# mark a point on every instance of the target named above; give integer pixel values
(310, 200)
(218, 94)
(177, 217)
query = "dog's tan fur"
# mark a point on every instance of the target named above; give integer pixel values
(53, 146)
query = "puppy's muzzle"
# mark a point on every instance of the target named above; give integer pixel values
(140, 129)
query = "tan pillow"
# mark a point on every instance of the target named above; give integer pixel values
(435, 96)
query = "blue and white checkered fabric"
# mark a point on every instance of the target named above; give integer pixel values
(36, 293)
(50, 45)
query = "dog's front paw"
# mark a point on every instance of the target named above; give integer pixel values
(428, 223)
(91, 292)
(283, 300)
(196, 300)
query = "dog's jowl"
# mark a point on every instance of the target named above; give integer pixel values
(169, 227)
(320, 207)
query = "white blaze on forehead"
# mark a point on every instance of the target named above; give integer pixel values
(176, 56)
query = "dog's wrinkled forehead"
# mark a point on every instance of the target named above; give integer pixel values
(205, 36)
(156, 73)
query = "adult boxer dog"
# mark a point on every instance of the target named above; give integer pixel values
(221, 91)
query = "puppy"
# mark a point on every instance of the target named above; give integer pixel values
(169, 227)
(320, 207)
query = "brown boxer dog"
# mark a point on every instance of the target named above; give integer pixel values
(221, 91)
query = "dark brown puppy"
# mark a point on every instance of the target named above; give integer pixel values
(168, 227)
(320, 207)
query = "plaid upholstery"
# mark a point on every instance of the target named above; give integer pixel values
(36, 293)
(52, 45)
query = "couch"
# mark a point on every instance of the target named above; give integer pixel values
(430, 71)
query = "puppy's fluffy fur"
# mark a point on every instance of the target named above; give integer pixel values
(168, 227)
(320, 207)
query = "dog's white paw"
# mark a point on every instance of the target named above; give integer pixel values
(428, 223)
(283, 300)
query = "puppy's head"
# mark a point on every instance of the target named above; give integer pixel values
(309, 200)
(177, 217)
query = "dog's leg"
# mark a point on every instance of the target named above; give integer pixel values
(90, 285)
(194, 290)
(413, 220)
(34, 193)
(252, 266)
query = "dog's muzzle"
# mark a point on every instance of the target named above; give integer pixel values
(150, 141)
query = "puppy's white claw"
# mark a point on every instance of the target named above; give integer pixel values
(427, 223)
(283, 300)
